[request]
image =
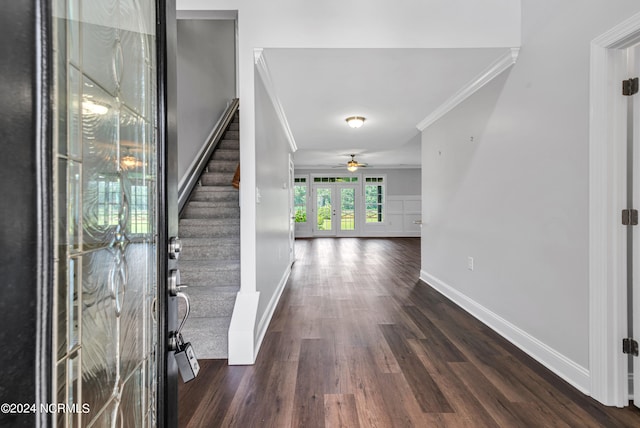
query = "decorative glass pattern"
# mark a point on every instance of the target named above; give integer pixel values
(105, 101)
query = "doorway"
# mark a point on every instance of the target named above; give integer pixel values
(336, 207)
(610, 303)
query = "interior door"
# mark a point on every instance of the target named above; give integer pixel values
(110, 198)
(325, 210)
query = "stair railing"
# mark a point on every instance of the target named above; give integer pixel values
(184, 193)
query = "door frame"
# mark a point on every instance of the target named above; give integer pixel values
(336, 202)
(292, 212)
(357, 208)
(167, 41)
(25, 183)
(314, 192)
(608, 370)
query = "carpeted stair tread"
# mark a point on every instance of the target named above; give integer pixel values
(209, 230)
(226, 155)
(218, 248)
(207, 212)
(213, 204)
(216, 178)
(222, 165)
(211, 265)
(203, 193)
(204, 302)
(209, 336)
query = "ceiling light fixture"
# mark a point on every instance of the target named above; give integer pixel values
(355, 121)
(352, 166)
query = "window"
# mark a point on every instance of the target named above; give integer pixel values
(374, 199)
(300, 199)
(335, 179)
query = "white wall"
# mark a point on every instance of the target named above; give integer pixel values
(378, 23)
(516, 198)
(272, 213)
(206, 82)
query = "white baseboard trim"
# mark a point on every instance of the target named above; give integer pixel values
(367, 235)
(242, 328)
(271, 308)
(567, 369)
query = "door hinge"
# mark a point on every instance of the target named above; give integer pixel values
(630, 217)
(630, 346)
(630, 86)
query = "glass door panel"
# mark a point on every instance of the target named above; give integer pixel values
(325, 211)
(105, 104)
(347, 209)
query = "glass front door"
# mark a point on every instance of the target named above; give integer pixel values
(106, 288)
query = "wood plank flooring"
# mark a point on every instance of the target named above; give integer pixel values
(358, 341)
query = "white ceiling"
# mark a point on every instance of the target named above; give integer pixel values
(393, 88)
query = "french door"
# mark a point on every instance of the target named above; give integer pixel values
(335, 209)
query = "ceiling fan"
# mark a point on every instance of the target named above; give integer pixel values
(353, 164)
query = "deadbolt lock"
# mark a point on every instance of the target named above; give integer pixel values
(175, 247)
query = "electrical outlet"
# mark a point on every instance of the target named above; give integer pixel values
(470, 263)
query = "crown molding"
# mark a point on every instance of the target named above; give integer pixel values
(494, 70)
(621, 36)
(265, 75)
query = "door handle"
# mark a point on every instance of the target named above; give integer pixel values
(176, 336)
(175, 290)
(184, 354)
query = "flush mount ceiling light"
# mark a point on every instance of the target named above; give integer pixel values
(355, 121)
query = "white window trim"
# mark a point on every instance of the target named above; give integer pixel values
(384, 199)
(308, 185)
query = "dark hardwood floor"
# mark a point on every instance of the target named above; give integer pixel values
(358, 341)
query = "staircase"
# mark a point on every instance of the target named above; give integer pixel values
(209, 229)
